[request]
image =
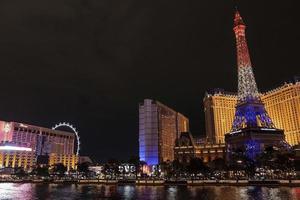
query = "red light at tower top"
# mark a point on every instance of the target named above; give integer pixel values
(238, 20)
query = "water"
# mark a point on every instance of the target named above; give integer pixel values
(56, 191)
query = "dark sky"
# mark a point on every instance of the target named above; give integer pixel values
(90, 62)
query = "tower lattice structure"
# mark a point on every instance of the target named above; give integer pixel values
(250, 111)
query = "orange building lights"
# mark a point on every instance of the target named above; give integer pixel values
(282, 105)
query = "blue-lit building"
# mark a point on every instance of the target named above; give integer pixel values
(159, 127)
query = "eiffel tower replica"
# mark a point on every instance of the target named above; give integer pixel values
(252, 129)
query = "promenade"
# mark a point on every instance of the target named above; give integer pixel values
(150, 182)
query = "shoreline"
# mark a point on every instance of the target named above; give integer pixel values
(241, 183)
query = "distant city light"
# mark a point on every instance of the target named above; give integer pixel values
(235, 132)
(14, 148)
(22, 125)
(6, 128)
(268, 129)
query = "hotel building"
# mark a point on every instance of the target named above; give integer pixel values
(219, 109)
(159, 127)
(41, 141)
(282, 105)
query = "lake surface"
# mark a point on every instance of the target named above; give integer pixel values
(30, 191)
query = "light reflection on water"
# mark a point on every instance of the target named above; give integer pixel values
(12, 191)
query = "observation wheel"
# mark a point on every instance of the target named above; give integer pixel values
(70, 126)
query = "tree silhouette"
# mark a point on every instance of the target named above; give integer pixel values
(83, 168)
(41, 171)
(19, 172)
(59, 169)
(197, 166)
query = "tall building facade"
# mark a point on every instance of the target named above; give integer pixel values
(219, 110)
(41, 141)
(282, 104)
(159, 127)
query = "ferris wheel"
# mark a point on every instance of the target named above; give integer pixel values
(70, 126)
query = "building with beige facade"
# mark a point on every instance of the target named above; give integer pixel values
(282, 105)
(219, 110)
(159, 127)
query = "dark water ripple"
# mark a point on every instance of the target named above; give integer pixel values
(12, 191)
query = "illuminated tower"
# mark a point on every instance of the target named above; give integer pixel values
(250, 111)
(252, 129)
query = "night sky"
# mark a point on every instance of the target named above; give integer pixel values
(90, 62)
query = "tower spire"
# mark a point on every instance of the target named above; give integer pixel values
(250, 111)
(247, 88)
(252, 129)
(238, 20)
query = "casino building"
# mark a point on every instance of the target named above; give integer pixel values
(281, 103)
(21, 145)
